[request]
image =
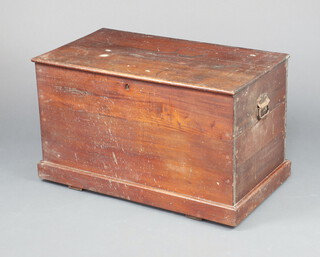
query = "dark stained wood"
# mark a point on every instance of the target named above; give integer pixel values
(165, 137)
(171, 61)
(273, 84)
(261, 191)
(165, 122)
(189, 205)
(259, 144)
(259, 150)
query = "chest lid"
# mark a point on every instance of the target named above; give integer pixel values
(203, 66)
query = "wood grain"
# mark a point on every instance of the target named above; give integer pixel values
(175, 62)
(259, 144)
(165, 122)
(273, 84)
(259, 150)
(166, 137)
(192, 206)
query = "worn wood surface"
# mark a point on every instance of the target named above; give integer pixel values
(189, 205)
(261, 191)
(273, 84)
(164, 122)
(259, 144)
(165, 137)
(170, 61)
(259, 150)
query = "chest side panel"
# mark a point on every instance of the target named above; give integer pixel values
(170, 138)
(259, 143)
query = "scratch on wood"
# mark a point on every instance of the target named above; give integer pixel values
(190, 172)
(105, 166)
(115, 158)
(72, 90)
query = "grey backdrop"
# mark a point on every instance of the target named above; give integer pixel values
(45, 219)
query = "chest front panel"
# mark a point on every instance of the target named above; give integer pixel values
(176, 139)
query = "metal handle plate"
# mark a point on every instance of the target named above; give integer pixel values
(263, 106)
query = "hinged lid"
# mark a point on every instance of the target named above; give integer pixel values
(170, 61)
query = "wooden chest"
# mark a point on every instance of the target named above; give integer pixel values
(190, 127)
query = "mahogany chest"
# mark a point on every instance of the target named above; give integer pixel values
(190, 127)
